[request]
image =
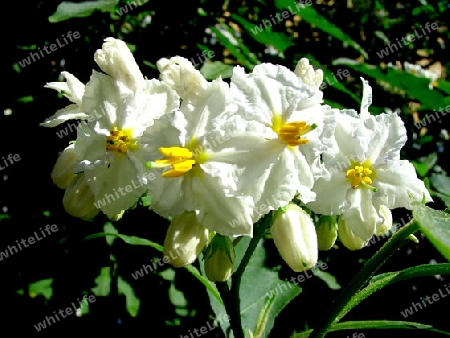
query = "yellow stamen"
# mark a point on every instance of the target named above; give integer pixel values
(361, 175)
(291, 133)
(120, 141)
(180, 159)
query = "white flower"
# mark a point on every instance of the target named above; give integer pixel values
(307, 73)
(198, 164)
(284, 128)
(364, 170)
(108, 148)
(72, 89)
(180, 74)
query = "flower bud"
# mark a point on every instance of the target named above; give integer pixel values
(295, 237)
(347, 237)
(62, 172)
(78, 199)
(327, 232)
(180, 74)
(219, 259)
(185, 239)
(307, 73)
(116, 60)
(384, 228)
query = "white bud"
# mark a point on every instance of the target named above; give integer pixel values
(62, 172)
(326, 232)
(295, 237)
(219, 259)
(185, 239)
(347, 236)
(78, 199)
(307, 73)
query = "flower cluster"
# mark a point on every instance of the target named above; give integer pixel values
(216, 156)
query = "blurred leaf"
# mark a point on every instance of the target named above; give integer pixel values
(441, 183)
(414, 86)
(435, 225)
(310, 15)
(103, 282)
(237, 53)
(444, 198)
(424, 164)
(67, 10)
(133, 240)
(110, 229)
(374, 324)
(132, 302)
(264, 35)
(327, 278)
(212, 70)
(42, 287)
(443, 85)
(259, 285)
(26, 99)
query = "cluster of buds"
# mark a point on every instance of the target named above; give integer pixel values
(189, 238)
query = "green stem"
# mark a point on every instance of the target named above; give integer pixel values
(368, 270)
(230, 308)
(231, 297)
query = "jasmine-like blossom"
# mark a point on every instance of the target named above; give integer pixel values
(197, 163)
(108, 148)
(283, 124)
(363, 171)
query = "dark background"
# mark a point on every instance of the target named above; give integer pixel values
(30, 200)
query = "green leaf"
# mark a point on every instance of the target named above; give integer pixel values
(266, 37)
(103, 282)
(235, 50)
(26, 99)
(67, 10)
(375, 324)
(327, 278)
(424, 164)
(209, 286)
(110, 229)
(42, 287)
(212, 70)
(380, 281)
(259, 285)
(435, 225)
(133, 240)
(132, 302)
(310, 15)
(414, 86)
(441, 183)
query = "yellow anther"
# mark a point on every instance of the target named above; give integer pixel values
(356, 182)
(367, 171)
(361, 175)
(180, 159)
(291, 133)
(351, 173)
(120, 141)
(367, 180)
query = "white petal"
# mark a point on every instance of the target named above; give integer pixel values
(115, 185)
(397, 181)
(73, 88)
(361, 216)
(331, 191)
(71, 112)
(227, 215)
